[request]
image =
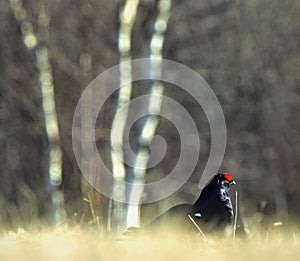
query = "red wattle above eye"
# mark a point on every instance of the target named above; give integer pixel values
(228, 176)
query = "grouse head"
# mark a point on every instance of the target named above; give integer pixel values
(224, 179)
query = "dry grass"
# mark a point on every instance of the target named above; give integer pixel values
(80, 244)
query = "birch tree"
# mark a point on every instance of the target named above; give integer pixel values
(121, 215)
(126, 17)
(36, 43)
(147, 129)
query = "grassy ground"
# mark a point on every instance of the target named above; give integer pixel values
(80, 244)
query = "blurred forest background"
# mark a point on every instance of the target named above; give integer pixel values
(247, 51)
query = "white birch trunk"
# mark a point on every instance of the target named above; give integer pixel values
(33, 42)
(154, 107)
(117, 212)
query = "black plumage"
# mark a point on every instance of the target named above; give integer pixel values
(212, 211)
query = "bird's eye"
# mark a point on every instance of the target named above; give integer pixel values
(225, 183)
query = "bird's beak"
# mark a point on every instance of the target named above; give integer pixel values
(232, 183)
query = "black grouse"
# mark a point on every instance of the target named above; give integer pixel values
(212, 211)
